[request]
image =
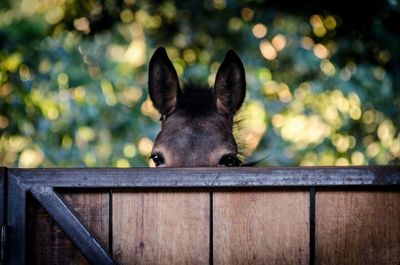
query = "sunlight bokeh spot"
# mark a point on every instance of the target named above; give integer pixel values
(145, 146)
(63, 79)
(29, 7)
(17, 143)
(352, 67)
(327, 158)
(79, 93)
(267, 50)
(84, 135)
(189, 56)
(327, 67)
(5, 90)
(179, 66)
(89, 159)
(31, 157)
(355, 112)
(247, 14)
(384, 56)
(279, 42)
(345, 74)
(130, 150)
(66, 142)
(368, 116)
(25, 73)
(12, 62)
(307, 43)
(149, 110)
(341, 142)
(278, 120)
(321, 51)
(135, 55)
(82, 24)
(52, 113)
(379, 73)
(126, 16)
(340, 101)
(108, 92)
(270, 88)
(342, 162)
(316, 21)
(313, 130)
(373, 149)
(284, 93)
(55, 15)
(3, 122)
(122, 163)
(235, 24)
(252, 126)
(219, 4)
(318, 25)
(386, 132)
(116, 52)
(259, 30)
(330, 22)
(130, 96)
(310, 159)
(357, 158)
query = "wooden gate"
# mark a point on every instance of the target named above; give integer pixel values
(315, 215)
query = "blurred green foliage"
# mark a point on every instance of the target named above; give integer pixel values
(323, 80)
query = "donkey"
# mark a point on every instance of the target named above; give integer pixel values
(196, 121)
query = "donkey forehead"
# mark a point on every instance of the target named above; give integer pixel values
(182, 134)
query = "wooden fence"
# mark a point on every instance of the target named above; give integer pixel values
(315, 215)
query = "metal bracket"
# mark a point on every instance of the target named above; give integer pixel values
(3, 242)
(3, 216)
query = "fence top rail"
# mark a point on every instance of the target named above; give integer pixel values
(207, 177)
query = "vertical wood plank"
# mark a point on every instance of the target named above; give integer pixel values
(358, 228)
(48, 244)
(161, 227)
(261, 227)
(93, 210)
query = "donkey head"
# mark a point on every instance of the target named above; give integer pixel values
(196, 122)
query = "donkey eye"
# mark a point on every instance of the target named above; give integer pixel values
(158, 159)
(229, 160)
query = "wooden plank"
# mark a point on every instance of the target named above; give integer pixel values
(161, 227)
(48, 244)
(261, 227)
(93, 210)
(358, 227)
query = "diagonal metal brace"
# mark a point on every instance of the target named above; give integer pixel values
(71, 225)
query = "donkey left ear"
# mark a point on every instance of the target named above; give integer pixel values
(163, 82)
(230, 85)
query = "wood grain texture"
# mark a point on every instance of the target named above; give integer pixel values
(358, 228)
(161, 227)
(48, 244)
(261, 228)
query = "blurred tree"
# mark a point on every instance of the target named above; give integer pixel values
(323, 77)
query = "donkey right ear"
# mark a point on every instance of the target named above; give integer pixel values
(163, 82)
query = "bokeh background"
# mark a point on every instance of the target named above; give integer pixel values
(323, 78)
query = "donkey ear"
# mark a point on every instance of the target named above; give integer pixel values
(230, 84)
(163, 82)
